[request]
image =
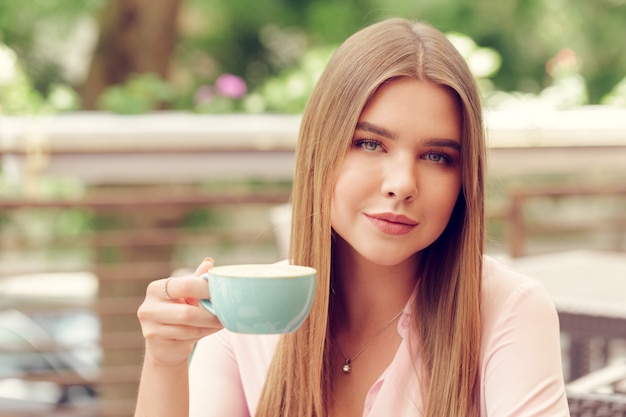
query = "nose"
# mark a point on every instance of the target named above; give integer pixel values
(400, 181)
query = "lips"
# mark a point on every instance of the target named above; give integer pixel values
(392, 224)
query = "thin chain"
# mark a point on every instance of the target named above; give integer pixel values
(347, 366)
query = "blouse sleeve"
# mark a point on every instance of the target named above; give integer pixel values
(522, 368)
(215, 387)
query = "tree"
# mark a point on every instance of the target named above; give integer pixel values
(136, 36)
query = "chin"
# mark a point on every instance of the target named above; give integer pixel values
(388, 258)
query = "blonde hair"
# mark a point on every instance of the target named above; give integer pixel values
(447, 308)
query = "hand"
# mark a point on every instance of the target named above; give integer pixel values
(172, 326)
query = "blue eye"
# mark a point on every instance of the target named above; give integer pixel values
(368, 144)
(437, 157)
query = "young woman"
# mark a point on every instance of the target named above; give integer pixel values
(410, 318)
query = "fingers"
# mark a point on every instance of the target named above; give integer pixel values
(178, 289)
(189, 292)
(165, 322)
(176, 321)
(204, 267)
(170, 319)
(165, 292)
(186, 289)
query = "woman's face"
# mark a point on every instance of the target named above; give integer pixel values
(399, 181)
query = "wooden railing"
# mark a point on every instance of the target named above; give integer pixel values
(145, 249)
(522, 226)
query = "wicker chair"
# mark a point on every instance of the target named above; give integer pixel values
(586, 398)
(596, 405)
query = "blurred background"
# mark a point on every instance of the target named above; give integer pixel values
(136, 56)
(138, 137)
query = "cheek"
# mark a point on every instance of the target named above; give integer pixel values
(451, 198)
(341, 195)
(344, 182)
(444, 194)
(349, 189)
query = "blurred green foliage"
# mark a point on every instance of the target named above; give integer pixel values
(243, 36)
(35, 83)
(617, 97)
(279, 46)
(139, 94)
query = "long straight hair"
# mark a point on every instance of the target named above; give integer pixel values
(447, 308)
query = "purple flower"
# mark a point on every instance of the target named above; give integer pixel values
(230, 85)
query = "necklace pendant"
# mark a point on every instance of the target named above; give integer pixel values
(347, 368)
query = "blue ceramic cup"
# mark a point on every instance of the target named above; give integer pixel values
(260, 299)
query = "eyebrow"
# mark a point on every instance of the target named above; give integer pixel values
(440, 142)
(375, 129)
(444, 143)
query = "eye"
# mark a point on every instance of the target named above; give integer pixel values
(370, 145)
(438, 157)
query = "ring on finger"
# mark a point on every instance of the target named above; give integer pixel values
(167, 295)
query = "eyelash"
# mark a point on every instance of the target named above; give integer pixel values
(361, 143)
(444, 157)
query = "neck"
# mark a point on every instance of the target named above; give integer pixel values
(368, 293)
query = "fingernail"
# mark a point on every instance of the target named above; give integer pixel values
(203, 267)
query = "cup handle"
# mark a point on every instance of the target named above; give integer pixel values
(205, 303)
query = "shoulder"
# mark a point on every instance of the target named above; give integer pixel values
(507, 292)
(520, 347)
(501, 281)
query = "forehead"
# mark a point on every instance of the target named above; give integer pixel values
(407, 105)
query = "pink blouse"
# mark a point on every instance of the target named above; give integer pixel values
(521, 371)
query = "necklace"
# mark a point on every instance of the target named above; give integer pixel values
(347, 365)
